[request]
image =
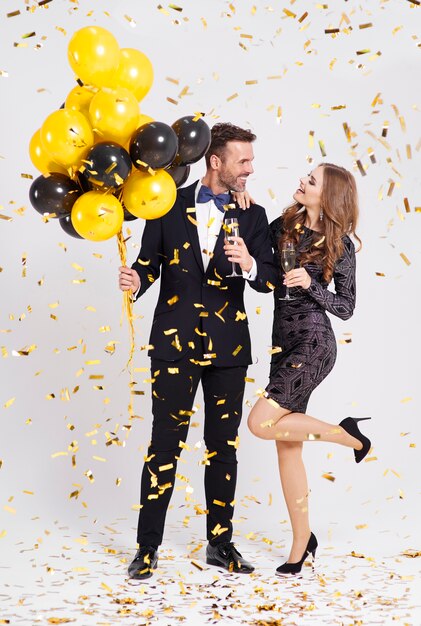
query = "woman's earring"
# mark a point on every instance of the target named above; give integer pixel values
(321, 215)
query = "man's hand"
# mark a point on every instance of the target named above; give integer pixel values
(128, 279)
(237, 253)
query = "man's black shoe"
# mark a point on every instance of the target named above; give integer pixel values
(144, 562)
(227, 556)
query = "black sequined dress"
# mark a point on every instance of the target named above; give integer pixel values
(302, 328)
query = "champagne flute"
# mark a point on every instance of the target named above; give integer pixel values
(288, 256)
(233, 230)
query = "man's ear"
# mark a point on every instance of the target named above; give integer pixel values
(214, 161)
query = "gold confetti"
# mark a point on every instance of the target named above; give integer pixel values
(9, 403)
(234, 95)
(405, 258)
(329, 476)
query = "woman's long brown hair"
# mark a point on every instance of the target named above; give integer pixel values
(339, 202)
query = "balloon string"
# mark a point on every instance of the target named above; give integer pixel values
(127, 311)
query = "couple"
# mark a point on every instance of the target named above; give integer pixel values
(200, 334)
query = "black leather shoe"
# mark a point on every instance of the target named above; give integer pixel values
(144, 562)
(227, 556)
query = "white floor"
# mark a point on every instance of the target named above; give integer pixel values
(58, 574)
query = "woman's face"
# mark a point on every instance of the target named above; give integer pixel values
(309, 192)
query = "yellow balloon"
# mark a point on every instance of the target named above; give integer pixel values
(97, 216)
(114, 114)
(144, 119)
(149, 196)
(79, 99)
(67, 136)
(41, 159)
(134, 72)
(94, 56)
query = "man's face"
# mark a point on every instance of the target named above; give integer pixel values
(235, 165)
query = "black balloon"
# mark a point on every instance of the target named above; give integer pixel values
(83, 183)
(67, 226)
(54, 193)
(194, 139)
(107, 164)
(128, 217)
(155, 144)
(179, 173)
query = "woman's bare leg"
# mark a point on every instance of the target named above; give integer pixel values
(295, 489)
(272, 422)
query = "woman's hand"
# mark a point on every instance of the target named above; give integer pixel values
(297, 278)
(237, 253)
(243, 199)
(128, 279)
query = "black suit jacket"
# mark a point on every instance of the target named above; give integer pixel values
(198, 312)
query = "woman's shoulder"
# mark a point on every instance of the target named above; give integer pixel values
(349, 245)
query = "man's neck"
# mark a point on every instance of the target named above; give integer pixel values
(214, 185)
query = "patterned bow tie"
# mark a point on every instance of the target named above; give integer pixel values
(220, 199)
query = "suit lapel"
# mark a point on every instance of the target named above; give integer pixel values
(188, 210)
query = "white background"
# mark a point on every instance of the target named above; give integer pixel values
(373, 506)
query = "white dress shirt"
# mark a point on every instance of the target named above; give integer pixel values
(209, 221)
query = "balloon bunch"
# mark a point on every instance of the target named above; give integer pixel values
(102, 160)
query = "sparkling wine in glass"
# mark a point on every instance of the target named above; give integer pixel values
(233, 230)
(288, 256)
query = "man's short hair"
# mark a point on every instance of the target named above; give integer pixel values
(224, 132)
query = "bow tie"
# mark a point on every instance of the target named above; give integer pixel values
(220, 199)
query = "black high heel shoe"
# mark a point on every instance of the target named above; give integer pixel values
(350, 425)
(295, 568)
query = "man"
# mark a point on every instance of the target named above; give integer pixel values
(200, 334)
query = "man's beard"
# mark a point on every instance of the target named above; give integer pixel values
(225, 179)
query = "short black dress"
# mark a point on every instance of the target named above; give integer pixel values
(301, 327)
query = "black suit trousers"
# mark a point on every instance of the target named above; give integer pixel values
(173, 391)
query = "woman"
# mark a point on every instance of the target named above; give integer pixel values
(319, 223)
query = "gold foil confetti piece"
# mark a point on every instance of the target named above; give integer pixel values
(251, 82)
(93, 362)
(131, 21)
(9, 403)
(170, 331)
(361, 168)
(57, 454)
(332, 31)
(366, 25)
(380, 274)
(361, 526)
(338, 107)
(237, 350)
(329, 476)
(7, 218)
(322, 147)
(89, 476)
(313, 436)
(311, 139)
(407, 207)
(274, 350)
(405, 258)
(303, 17)
(234, 95)
(9, 509)
(172, 101)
